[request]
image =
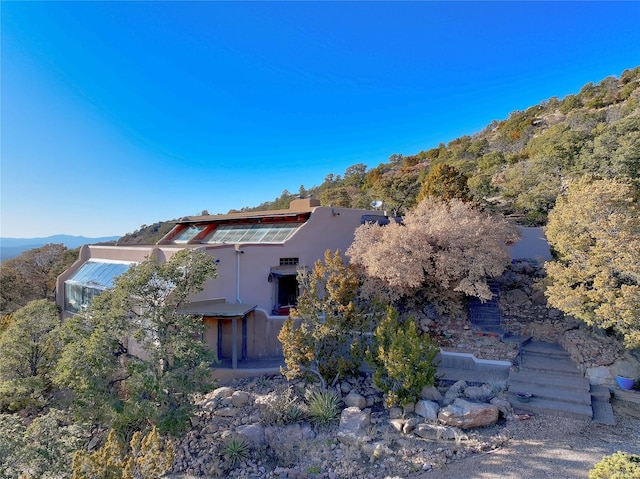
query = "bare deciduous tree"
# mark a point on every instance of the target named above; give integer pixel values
(440, 253)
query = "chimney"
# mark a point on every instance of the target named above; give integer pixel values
(303, 204)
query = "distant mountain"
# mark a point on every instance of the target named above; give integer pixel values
(12, 247)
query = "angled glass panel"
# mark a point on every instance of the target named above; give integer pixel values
(236, 234)
(97, 274)
(255, 233)
(91, 279)
(188, 234)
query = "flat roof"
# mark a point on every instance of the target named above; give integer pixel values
(245, 215)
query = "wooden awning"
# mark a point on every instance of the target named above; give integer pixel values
(218, 309)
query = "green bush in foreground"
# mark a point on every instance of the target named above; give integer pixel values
(147, 457)
(404, 360)
(617, 466)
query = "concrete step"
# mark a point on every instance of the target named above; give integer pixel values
(601, 392)
(602, 411)
(553, 408)
(546, 365)
(486, 324)
(576, 383)
(516, 339)
(556, 393)
(547, 350)
(486, 313)
(492, 318)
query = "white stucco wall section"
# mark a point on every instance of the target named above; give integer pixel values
(532, 245)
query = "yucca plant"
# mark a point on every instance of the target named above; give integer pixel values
(324, 406)
(235, 451)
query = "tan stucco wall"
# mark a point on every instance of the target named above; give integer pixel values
(327, 229)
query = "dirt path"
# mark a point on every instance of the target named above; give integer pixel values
(544, 447)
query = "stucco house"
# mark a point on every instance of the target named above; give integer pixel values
(257, 255)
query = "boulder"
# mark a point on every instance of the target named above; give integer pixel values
(220, 393)
(538, 297)
(354, 426)
(239, 398)
(431, 393)
(599, 376)
(397, 424)
(479, 393)
(411, 424)
(395, 413)
(307, 431)
(275, 435)
(503, 405)
(435, 431)
(345, 387)
(454, 392)
(427, 409)
(554, 313)
(229, 411)
(516, 297)
(252, 433)
(627, 366)
(353, 399)
(467, 415)
(408, 408)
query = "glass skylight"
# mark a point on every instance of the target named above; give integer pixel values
(188, 234)
(256, 233)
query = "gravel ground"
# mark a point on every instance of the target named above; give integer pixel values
(545, 447)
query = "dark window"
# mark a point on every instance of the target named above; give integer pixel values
(288, 261)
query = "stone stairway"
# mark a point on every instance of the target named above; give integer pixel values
(556, 384)
(486, 317)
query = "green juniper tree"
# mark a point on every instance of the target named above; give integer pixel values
(154, 386)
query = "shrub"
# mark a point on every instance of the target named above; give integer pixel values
(617, 466)
(324, 406)
(147, 457)
(404, 361)
(282, 407)
(325, 333)
(43, 449)
(24, 394)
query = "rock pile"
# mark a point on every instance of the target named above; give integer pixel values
(377, 441)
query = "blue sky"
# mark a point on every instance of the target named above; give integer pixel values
(119, 114)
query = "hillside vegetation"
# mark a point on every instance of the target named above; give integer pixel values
(516, 166)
